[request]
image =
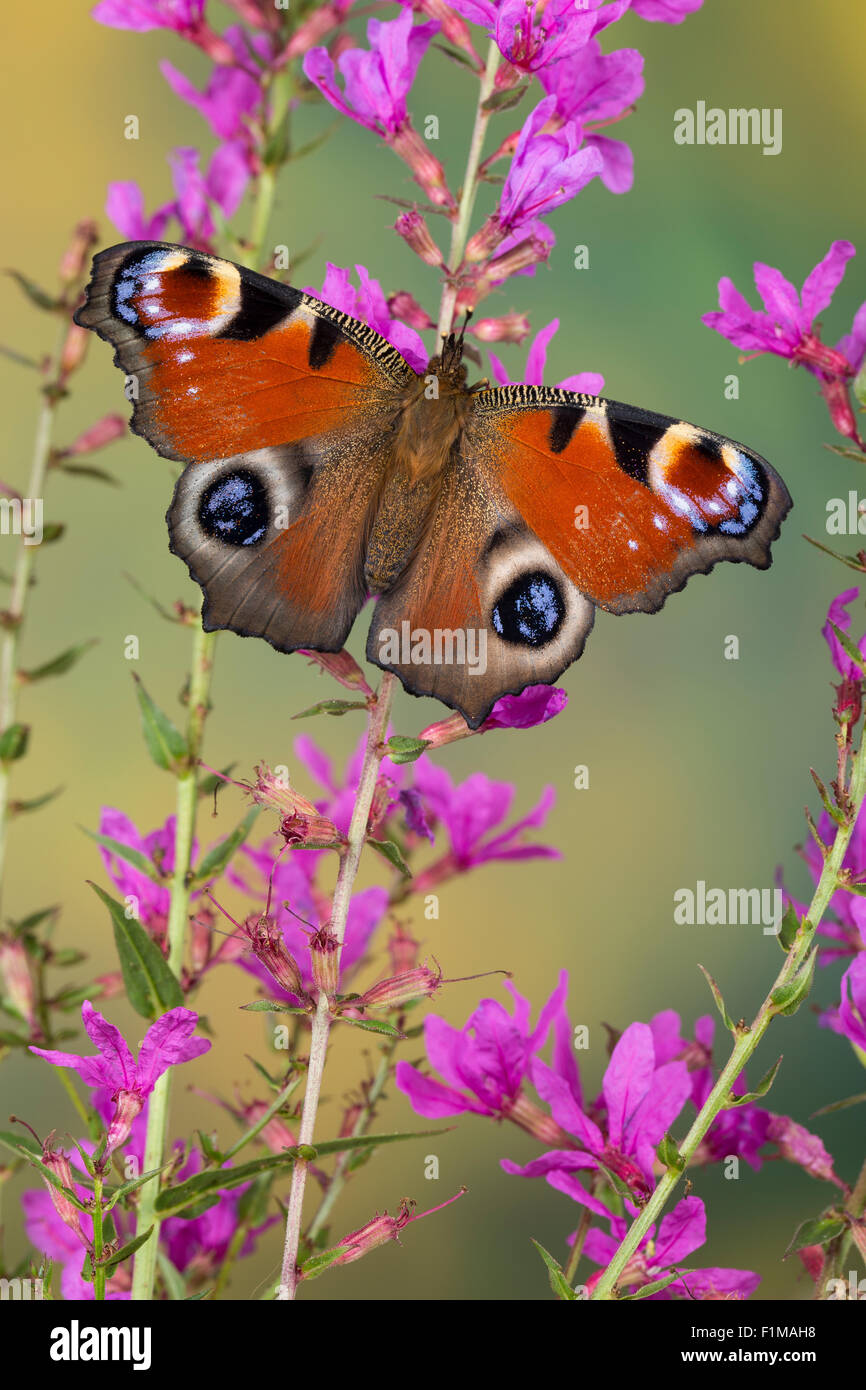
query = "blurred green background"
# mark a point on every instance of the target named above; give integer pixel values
(699, 767)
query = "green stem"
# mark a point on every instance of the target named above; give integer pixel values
(340, 1176)
(377, 722)
(277, 1104)
(468, 193)
(747, 1041)
(98, 1241)
(22, 575)
(186, 806)
(234, 1248)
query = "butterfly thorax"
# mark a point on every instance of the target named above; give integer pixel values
(432, 413)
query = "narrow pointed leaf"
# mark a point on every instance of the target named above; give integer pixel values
(218, 857)
(151, 986)
(558, 1282)
(58, 665)
(165, 743)
(133, 856)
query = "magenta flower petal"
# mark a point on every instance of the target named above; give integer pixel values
(780, 299)
(565, 1108)
(143, 15)
(680, 1233)
(168, 1042)
(852, 1010)
(617, 169)
(430, 1097)
(627, 1078)
(821, 283)
(665, 11)
(838, 615)
(853, 344)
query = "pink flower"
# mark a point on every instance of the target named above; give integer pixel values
(472, 810)
(534, 705)
(195, 194)
(152, 899)
(232, 92)
(369, 304)
(590, 382)
(663, 1249)
(547, 169)
(167, 1042)
(484, 1064)
(532, 37)
(666, 11)
(183, 16)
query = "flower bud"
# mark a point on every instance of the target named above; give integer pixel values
(105, 431)
(510, 328)
(838, 401)
(416, 234)
(275, 1133)
(403, 950)
(17, 979)
(269, 947)
(376, 1232)
(325, 959)
(127, 1106)
(485, 240)
(74, 260)
(403, 307)
(74, 351)
(420, 983)
(426, 169)
(342, 666)
(58, 1162)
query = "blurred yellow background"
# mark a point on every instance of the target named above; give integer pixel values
(699, 767)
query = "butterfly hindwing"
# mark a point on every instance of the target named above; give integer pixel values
(278, 404)
(483, 609)
(630, 503)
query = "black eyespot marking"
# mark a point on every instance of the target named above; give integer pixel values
(323, 340)
(234, 509)
(261, 309)
(564, 421)
(531, 611)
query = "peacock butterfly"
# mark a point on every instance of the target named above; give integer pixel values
(490, 522)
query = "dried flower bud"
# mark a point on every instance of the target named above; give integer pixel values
(351, 1115)
(315, 27)
(276, 1132)
(325, 958)
(485, 240)
(268, 946)
(838, 401)
(376, 1232)
(419, 983)
(416, 234)
(58, 1162)
(300, 822)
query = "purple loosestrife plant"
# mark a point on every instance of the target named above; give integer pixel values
(143, 1217)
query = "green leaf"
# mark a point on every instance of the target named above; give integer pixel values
(819, 1231)
(58, 665)
(270, 1006)
(151, 986)
(218, 857)
(850, 649)
(507, 100)
(402, 749)
(165, 743)
(52, 531)
(171, 1199)
(317, 1264)
(336, 707)
(41, 298)
(391, 851)
(788, 928)
(558, 1282)
(132, 856)
(858, 385)
(214, 781)
(13, 742)
(253, 1205)
(841, 1104)
(654, 1287)
(132, 1185)
(787, 998)
(125, 1251)
(720, 1003)
(850, 560)
(88, 470)
(616, 1182)
(172, 1277)
(669, 1155)
(456, 55)
(760, 1090)
(374, 1025)
(846, 453)
(832, 811)
(19, 358)
(20, 808)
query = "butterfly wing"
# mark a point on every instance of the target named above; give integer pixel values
(280, 407)
(483, 609)
(629, 503)
(557, 503)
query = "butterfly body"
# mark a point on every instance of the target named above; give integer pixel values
(322, 469)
